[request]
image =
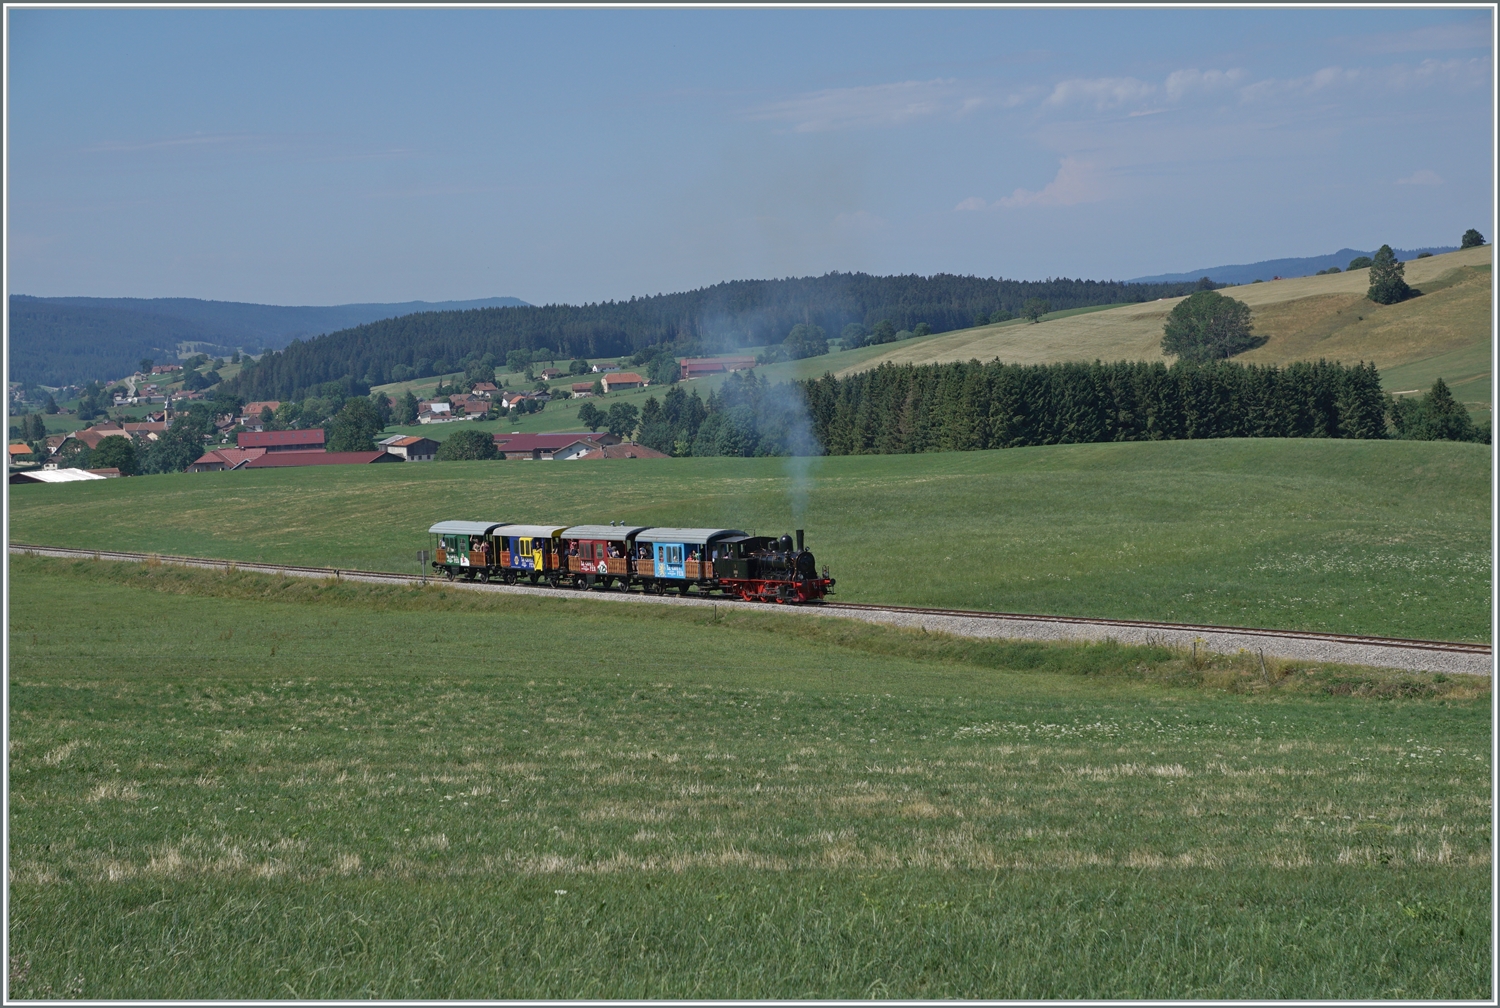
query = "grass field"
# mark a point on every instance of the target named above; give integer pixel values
(309, 790)
(1304, 318)
(1389, 538)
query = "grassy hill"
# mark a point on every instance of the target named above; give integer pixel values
(1445, 331)
(1388, 538)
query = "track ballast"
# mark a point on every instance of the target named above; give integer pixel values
(1395, 652)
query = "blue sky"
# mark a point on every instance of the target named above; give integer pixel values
(330, 156)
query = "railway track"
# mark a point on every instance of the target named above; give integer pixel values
(1392, 652)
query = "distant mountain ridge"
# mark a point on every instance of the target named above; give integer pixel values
(70, 340)
(1266, 269)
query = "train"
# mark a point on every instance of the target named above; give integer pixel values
(619, 557)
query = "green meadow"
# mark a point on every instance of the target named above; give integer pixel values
(1379, 537)
(244, 786)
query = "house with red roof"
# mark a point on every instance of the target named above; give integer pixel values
(284, 440)
(225, 458)
(621, 451)
(623, 380)
(280, 460)
(551, 447)
(411, 447)
(697, 367)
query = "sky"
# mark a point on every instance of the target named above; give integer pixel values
(327, 156)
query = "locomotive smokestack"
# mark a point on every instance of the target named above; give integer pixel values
(799, 540)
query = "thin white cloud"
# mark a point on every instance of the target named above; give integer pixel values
(1182, 83)
(191, 140)
(1101, 92)
(867, 107)
(1076, 182)
(1463, 35)
(972, 203)
(1423, 176)
(1454, 72)
(1320, 80)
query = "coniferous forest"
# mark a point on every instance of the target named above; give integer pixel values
(722, 317)
(970, 406)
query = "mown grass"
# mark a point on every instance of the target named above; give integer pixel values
(1389, 538)
(239, 786)
(1304, 318)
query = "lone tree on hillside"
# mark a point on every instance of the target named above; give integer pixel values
(1388, 278)
(1359, 262)
(591, 416)
(1035, 308)
(469, 445)
(1471, 239)
(1208, 326)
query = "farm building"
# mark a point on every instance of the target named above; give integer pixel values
(278, 460)
(225, 458)
(581, 390)
(697, 367)
(53, 476)
(551, 447)
(284, 441)
(411, 447)
(623, 380)
(621, 451)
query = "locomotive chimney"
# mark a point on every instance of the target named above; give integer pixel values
(799, 540)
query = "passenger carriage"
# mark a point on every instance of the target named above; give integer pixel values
(532, 552)
(601, 555)
(679, 558)
(465, 549)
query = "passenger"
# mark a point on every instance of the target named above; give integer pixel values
(693, 554)
(573, 548)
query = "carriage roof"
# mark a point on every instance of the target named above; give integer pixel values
(533, 531)
(701, 536)
(468, 528)
(615, 532)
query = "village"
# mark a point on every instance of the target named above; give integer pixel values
(265, 434)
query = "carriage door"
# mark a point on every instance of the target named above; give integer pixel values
(539, 553)
(669, 560)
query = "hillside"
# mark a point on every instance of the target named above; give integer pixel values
(1382, 537)
(1305, 318)
(1244, 273)
(728, 315)
(71, 340)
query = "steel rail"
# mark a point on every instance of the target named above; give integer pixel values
(1455, 647)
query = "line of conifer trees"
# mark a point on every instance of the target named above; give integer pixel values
(969, 406)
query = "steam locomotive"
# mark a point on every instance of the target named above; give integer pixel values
(621, 558)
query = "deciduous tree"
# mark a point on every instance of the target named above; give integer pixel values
(355, 427)
(468, 445)
(1387, 278)
(591, 416)
(1208, 326)
(1471, 239)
